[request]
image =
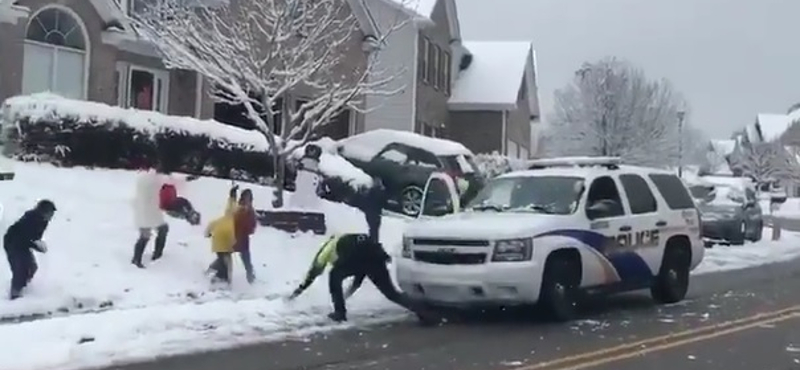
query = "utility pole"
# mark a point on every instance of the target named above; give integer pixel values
(681, 115)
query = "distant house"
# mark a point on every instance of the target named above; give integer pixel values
(481, 93)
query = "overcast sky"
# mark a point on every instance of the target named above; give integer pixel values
(732, 59)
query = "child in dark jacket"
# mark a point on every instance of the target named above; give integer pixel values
(20, 239)
(245, 225)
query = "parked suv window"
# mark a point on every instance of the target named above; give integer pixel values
(639, 195)
(604, 193)
(393, 155)
(418, 157)
(673, 191)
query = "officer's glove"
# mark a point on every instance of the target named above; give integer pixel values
(40, 246)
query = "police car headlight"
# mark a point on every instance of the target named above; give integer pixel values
(406, 252)
(513, 250)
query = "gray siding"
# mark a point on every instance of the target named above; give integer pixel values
(396, 111)
(11, 36)
(519, 121)
(431, 101)
(480, 131)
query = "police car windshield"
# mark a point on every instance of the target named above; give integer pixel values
(541, 194)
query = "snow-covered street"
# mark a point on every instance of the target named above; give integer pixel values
(89, 307)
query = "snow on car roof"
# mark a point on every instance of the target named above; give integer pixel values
(738, 182)
(586, 172)
(366, 145)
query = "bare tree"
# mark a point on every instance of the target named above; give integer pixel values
(765, 162)
(611, 108)
(256, 53)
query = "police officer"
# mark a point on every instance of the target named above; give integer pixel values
(359, 256)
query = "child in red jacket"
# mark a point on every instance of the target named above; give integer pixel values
(245, 224)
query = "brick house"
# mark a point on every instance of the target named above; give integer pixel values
(483, 94)
(86, 49)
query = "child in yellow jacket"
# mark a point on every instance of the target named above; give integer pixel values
(222, 232)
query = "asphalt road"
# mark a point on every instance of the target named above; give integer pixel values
(730, 311)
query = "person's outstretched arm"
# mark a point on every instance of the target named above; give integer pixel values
(324, 256)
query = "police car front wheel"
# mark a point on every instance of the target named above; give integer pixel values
(559, 292)
(672, 282)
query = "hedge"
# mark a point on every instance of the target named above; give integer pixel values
(48, 128)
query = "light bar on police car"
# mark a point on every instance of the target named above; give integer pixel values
(575, 162)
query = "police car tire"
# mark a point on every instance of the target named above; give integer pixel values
(560, 306)
(672, 281)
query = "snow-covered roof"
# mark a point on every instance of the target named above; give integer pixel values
(724, 147)
(419, 8)
(366, 145)
(494, 78)
(773, 125)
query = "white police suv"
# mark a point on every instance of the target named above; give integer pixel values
(565, 227)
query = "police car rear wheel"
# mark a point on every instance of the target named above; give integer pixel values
(559, 289)
(672, 281)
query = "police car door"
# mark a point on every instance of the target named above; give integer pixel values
(646, 239)
(439, 197)
(606, 211)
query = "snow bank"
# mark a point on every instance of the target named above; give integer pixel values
(721, 258)
(90, 289)
(365, 146)
(49, 107)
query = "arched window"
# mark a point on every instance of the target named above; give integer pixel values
(55, 54)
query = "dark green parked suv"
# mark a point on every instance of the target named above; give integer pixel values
(404, 161)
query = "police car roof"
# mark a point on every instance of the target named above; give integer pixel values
(586, 171)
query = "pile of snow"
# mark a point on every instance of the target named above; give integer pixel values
(49, 107)
(104, 311)
(367, 145)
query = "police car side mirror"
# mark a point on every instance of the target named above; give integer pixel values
(596, 210)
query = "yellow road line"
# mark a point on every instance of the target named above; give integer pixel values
(688, 336)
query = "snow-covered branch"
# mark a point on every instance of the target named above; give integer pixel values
(258, 53)
(765, 162)
(611, 108)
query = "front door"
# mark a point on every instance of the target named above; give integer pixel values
(615, 248)
(439, 197)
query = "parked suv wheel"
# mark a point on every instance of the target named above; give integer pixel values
(411, 201)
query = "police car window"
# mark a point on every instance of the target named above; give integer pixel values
(545, 194)
(673, 191)
(604, 191)
(639, 195)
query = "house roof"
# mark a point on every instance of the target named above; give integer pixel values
(724, 147)
(494, 78)
(772, 126)
(422, 11)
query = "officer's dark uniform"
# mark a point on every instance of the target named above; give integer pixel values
(359, 256)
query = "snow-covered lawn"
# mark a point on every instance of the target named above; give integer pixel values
(103, 310)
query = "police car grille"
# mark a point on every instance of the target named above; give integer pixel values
(451, 242)
(446, 258)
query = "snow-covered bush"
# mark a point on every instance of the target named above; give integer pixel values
(48, 128)
(496, 164)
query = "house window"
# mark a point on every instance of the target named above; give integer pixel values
(433, 70)
(142, 88)
(445, 68)
(423, 66)
(136, 6)
(55, 57)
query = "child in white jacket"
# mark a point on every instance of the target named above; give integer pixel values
(147, 212)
